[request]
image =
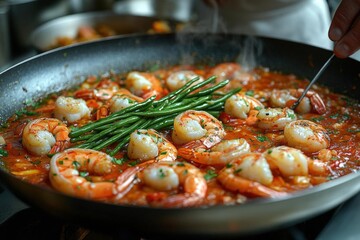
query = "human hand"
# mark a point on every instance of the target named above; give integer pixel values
(345, 28)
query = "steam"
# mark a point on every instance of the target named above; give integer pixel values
(250, 50)
(215, 19)
(210, 21)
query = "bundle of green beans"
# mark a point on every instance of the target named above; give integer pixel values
(117, 127)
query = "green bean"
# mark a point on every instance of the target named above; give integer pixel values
(115, 126)
(114, 138)
(81, 138)
(185, 101)
(164, 124)
(227, 95)
(121, 144)
(210, 90)
(111, 117)
(174, 110)
(216, 114)
(177, 92)
(106, 124)
(142, 124)
(191, 89)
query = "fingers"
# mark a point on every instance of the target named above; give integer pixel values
(350, 42)
(345, 28)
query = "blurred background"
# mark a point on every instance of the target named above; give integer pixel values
(28, 27)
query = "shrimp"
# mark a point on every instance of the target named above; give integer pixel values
(220, 154)
(249, 174)
(197, 129)
(240, 105)
(150, 145)
(70, 109)
(103, 91)
(224, 71)
(144, 85)
(178, 79)
(232, 71)
(293, 162)
(289, 161)
(274, 118)
(176, 184)
(45, 136)
(123, 99)
(286, 98)
(307, 136)
(71, 170)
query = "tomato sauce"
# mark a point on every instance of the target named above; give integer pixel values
(341, 121)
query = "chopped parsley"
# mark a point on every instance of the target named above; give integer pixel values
(261, 138)
(133, 163)
(250, 93)
(334, 116)
(83, 174)
(180, 164)
(161, 173)
(317, 119)
(37, 162)
(119, 161)
(76, 164)
(32, 103)
(357, 130)
(292, 116)
(210, 174)
(3, 153)
(22, 112)
(154, 67)
(238, 170)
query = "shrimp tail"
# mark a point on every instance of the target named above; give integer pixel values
(249, 187)
(206, 143)
(318, 104)
(252, 119)
(191, 154)
(125, 182)
(187, 153)
(102, 112)
(258, 189)
(127, 179)
(59, 146)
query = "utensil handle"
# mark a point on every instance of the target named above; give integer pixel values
(312, 82)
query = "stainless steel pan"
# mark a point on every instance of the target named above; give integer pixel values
(61, 68)
(46, 34)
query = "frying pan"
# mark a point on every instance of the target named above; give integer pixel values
(61, 68)
(47, 34)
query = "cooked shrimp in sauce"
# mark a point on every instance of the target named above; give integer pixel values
(153, 138)
(45, 136)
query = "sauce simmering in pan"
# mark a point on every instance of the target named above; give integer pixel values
(180, 137)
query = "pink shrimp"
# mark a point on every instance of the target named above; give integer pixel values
(249, 174)
(45, 136)
(287, 97)
(220, 154)
(175, 184)
(70, 169)
(197, 129)
(145, 85)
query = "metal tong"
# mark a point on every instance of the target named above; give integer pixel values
(312, 82)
